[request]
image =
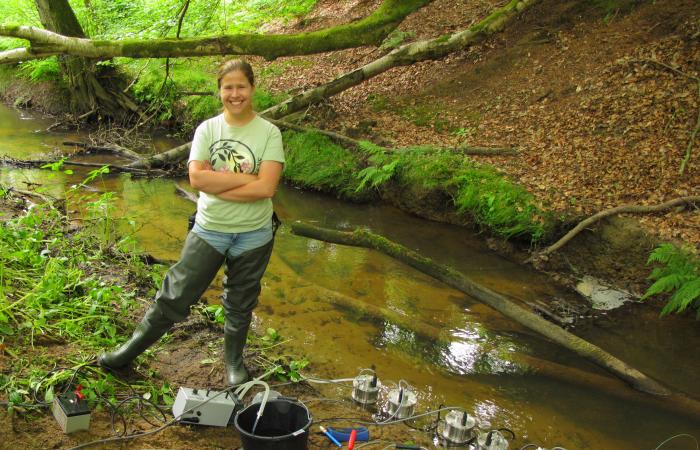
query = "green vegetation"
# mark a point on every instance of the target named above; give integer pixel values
(76, 292)
(168, 98)
(680, 274)
(426, 116)
(496, 203)
(313, 161)
(395, 39)
(378, 102)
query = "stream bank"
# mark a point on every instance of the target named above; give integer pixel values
(615, 250)
(452, 349)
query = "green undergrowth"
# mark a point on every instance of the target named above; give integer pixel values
(496, 203)
(314, 161)
(678, 274)
(67, 293)
(189, 95)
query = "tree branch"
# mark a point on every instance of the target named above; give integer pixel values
(634, 209)
(403, 56)
(368, 31)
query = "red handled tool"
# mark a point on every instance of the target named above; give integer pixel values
(351, 441)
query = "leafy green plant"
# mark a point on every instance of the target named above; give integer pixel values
(314, 161)
(680, 274)
(41, 69)
(58, 166)
(215, 313)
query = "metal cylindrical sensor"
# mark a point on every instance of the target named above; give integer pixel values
(493, 440)
(365, 389)
(459, 427)
(402, 402)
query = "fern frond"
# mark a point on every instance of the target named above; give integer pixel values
(680, 273)
(683, 298)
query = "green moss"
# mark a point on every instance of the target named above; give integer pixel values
(426, 116)
(378, 102)
(494, 202)
(313, 161)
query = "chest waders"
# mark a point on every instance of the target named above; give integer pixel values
(183, 285)
(241, 291)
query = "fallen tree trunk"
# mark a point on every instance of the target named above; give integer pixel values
(403, 56)
(370, 30)
(171, 157)
(178, 154)
(632, 209)
(532, 365)
(362, 238)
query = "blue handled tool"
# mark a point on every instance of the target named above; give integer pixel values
(330, 436)
(343, 434)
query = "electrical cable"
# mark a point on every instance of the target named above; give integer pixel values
(171, 422)
(509, 431)
(361, 421)
(678, 435)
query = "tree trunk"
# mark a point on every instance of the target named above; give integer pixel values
(87, 92)
(362, 238)
(370, 30)
(404, 56)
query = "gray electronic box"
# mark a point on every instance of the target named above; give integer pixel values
(205, 407)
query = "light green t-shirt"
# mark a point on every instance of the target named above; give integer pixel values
(237, 149)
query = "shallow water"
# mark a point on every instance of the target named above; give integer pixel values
(451, 349)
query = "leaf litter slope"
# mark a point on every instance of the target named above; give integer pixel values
(574, 88)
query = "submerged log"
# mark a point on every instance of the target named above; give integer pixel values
(530, 365)
(39, 163)
(449, 276)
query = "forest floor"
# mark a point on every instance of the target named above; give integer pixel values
(601, 105)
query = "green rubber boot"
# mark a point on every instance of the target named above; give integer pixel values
(153, 325)
(241, 291)
(183, 285)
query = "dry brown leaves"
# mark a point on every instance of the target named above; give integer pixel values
(598, 124)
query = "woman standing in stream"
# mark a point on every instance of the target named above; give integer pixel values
(235, 163)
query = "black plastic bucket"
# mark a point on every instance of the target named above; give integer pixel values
(284, 425)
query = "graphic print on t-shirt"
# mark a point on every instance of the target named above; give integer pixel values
(232, 156)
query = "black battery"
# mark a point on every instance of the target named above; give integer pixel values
(71, 412)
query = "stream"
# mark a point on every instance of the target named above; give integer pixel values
(467, 354)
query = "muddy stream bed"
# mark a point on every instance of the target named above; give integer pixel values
(468, 357)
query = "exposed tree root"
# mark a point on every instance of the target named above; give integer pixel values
(690, 201)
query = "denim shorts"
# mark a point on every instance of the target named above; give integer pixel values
(235, 244)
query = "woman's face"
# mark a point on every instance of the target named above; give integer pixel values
(236, 93)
